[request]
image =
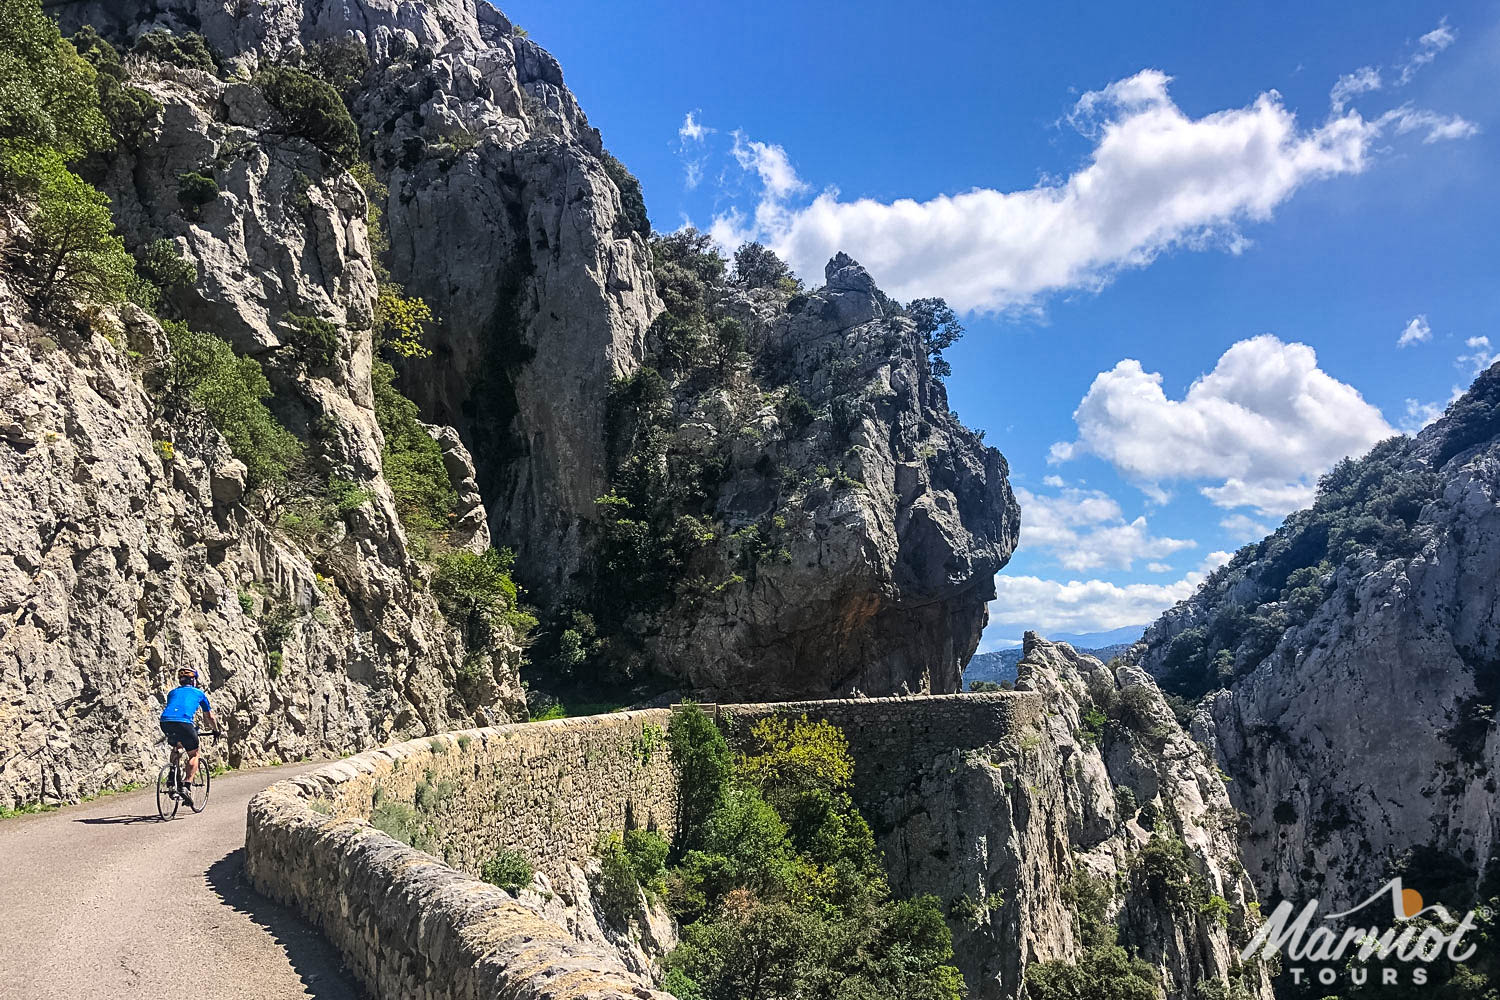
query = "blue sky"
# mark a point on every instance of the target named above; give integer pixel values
(1189, 243)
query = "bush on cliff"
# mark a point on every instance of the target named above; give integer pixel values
(232, 390)
(780, 887)
(312, 109)
(413, 461)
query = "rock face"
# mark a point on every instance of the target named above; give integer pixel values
(856, 543)
(1360, 726)
(506, 214)
(130, 546)
(1104, 807)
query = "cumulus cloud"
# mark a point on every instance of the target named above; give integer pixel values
(1417, 331)
(1420, 414)
(1350, 85)
(1084, 530)
(1263, 425)
(1427, 49)
(1156, 179)
(1030, 602)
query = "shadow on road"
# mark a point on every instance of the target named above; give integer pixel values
(313, 958)
(119, 820)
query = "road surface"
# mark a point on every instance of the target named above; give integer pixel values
(105, 900)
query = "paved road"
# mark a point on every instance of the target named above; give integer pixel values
(105, 900)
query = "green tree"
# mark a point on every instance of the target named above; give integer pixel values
(312, 109)
(757, 266)
(476, 592)
(939, 328)
(632, 202)
(48, 98)
(205, 370)
(1105, 972)
(72, 253)
(130, 111)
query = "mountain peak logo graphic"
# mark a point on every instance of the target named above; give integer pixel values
(1405, 904)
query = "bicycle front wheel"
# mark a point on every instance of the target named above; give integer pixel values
(166, 802)
(200, 787)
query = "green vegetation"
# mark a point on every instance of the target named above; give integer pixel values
(1473, 418)
(412, 459)
(130, 111)
(187, 50)
(340, 64)
(627, 864)
(1368, 504)
(632, 203)
(195, 190)
(400, 821)
(313, 110)
(318, 341)
(510, 870)
(779, 885)
(939, 329)
(231, 389)
(1105, 972)
(756, 266)
(476, 593)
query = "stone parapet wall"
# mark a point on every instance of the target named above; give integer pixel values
(892, 740)
(413, 928)
(416, 928)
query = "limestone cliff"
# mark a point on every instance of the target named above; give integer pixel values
(1348, 668)
(1103, 820)
(130, 544)
(847, 526)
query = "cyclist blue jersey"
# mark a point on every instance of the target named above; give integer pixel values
(183, 703)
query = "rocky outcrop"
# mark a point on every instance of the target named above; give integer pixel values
(855, 525)
(1102, 817)
(1354, 703)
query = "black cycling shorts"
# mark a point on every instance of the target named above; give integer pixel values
(181, 734)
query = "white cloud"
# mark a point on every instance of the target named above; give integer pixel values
(1030, 602)
(690, 136)
(1264, 424)
(1427, 49)
(1056, 482)
(1480, 355)
(1419, 415)
(1156, 180)
(1159, 567)
(1361, 81)
(1439, 127)
(1244, 527)
(691, 129)
(771, 163)
(1417, 330)
(1085, 529)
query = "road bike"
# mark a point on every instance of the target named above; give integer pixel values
(171, 779)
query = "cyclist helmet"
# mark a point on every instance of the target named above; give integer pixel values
(187, 674)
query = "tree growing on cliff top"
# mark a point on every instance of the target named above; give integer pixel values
(939, 329)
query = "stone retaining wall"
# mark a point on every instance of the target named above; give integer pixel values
(414, 928)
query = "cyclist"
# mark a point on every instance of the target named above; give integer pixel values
(177, 719)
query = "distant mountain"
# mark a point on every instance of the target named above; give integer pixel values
(1126, 634)
(1000, 665)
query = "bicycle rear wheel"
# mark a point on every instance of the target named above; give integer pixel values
(166, 802)
(199, 786)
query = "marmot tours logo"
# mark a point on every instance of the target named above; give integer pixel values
(1418, 933)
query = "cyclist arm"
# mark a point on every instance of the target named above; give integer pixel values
(213, 724)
